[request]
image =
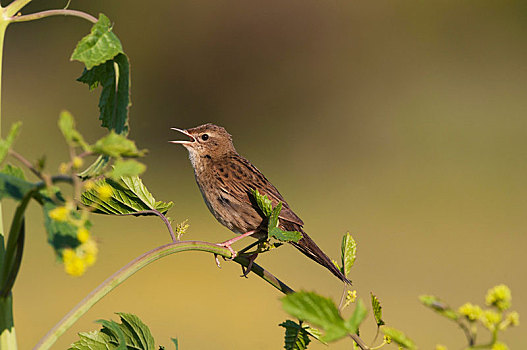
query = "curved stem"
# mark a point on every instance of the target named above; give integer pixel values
(132, 267)
(17, 5)
(49, 13)
(158, 213)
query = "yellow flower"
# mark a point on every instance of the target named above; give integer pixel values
(77, 162)
(73, 264)
(59, 214)
(499, 296)
(490, 319)
(440, 347)
(513, 318)
(387, 339)
(63, 168)
(89, 185)
(500, 346)
(104, 191)
(89, 252)
(83, 234)
(470, 311)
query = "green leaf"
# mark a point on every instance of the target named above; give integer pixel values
(176, 343)
(96, 168)
(115, 145)
(13, 186)
(316, 309)
(99, 46)
(129, 167)
(264, 203)
(131, 333)
(13, 170)
(114, 102)
(285, 236)
(136, 332)
(129, 195)
(113, 330)
(93, 340)
(377, 310)
(296, 337)
(67, 127)
(5, 144)
(439, 306)
(353, 323)
(399, 338)
(348, 253)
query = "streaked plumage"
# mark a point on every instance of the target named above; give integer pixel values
(226, 181)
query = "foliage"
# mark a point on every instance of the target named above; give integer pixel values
(272, 214)
(131, 333)
(468, 316)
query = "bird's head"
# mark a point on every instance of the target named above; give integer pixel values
(208, 140)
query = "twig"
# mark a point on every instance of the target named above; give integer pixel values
(132, 267)
(158, 213)
(49, 13)
(26, 163)
(359, 342)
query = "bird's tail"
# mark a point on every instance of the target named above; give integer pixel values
(307, 246)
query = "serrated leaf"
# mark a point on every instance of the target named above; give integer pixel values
(353, 323)
(5, 144)
(137, 333)
(377, 310)
(399, 338)
(348, 253)
(296, 337)
(273, 218)
(114, 101)
(93, 340)
(116, 334)
(439, 306)
(99, 46)
(264, 203)
(285, 236)
(13, 170)
(115, 145)
(128, 167)
(318, 310)
(67, 127)
(129, 195)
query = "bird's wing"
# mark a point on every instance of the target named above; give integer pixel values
(243, 178)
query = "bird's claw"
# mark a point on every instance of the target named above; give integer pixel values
(233, 252)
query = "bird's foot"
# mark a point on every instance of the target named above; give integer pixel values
(251, 258)
(227, 245)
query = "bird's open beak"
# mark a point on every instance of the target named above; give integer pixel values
(192, 138)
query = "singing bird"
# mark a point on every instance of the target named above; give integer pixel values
(227, 181)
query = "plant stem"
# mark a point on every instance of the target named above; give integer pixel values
(158, 213)
(132, 267)
(13, 8)
(7, 327)
(49, 13)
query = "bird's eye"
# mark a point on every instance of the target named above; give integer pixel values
(205, 137)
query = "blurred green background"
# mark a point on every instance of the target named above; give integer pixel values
(402, 122)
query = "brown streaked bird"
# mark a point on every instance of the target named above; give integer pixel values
(227, 181)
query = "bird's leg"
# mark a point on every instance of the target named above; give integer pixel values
(227, 244)
(251, 258)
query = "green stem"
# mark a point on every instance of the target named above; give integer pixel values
(13, 8)
(7, 328)
(132, 267)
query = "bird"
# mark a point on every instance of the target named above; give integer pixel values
(227, 182)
